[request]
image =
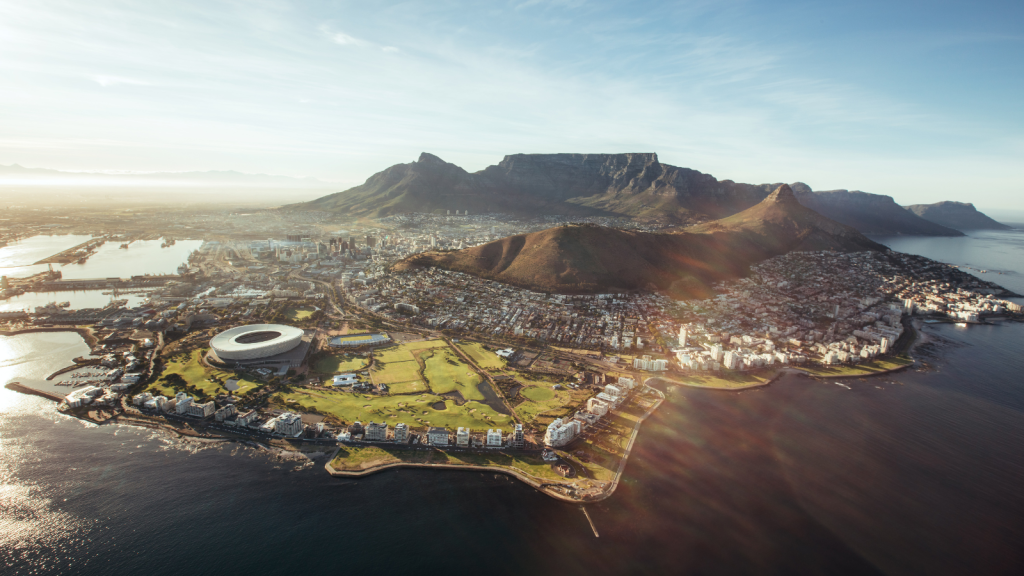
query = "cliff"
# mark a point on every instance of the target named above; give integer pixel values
(956, 215)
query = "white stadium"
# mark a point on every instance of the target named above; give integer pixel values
(255, 342)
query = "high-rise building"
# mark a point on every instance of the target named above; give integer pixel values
(518, 439)
(401, 432)
(682, 336)
(371, 241)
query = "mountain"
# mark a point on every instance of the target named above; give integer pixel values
(870, 213)
(589, 258)
(635, 185)
(956, 215)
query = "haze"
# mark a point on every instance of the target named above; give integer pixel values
(919, 101)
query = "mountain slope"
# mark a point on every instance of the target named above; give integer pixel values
(956, 215)
(635, 185)
(589, 258)
(871, 213)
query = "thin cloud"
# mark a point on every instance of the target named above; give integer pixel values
(106, 81)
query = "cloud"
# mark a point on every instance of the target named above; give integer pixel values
(390, 49)
(346, 40)
(106, 81)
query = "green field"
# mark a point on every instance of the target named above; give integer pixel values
(299, 313)
(725, 380)
(483, 358)
(356, 458)
(187, 365)
(394, 372)
(446, 372)
(340, 364)
(415, 410)
(400, 364)
(865, 369)
(413, 387)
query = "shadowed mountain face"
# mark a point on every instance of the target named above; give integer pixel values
(588, 258)
(956, 215)
(633, 185)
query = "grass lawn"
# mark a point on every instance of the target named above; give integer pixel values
(865, 369)
(415, 410)
(355, 458)
(299, 313)
(724, 380)
(187, 365)
(404, 352)
(446, 372)
(413, 387)
(603, 452)
(393, 372)
(340, 363)
(484, 358)
(543, 403)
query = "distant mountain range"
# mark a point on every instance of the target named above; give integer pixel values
(632, 185)
(595, 259)
(956, 215)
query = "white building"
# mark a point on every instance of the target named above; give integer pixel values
(733, 360)
(462, 437)
(247, 418)
(613, 390)
(225, 413)
(202, 410)
(626, 383)
(181, 402)
(518, 439)
(437, 436)
(494, 438)
(650, 364)
(401, 432)
(597, 406)
(345, 380)
(376, 432)
(288, 424)
(141, 399)
(560, 433)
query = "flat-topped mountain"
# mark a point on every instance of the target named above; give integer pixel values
(956, 215)
(634, 185)
(589, 258)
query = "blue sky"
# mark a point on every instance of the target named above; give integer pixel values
(919, 100)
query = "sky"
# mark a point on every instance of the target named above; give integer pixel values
(918, 100)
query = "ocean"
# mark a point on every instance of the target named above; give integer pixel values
(918, 472)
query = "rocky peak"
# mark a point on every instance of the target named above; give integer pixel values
(782, 195)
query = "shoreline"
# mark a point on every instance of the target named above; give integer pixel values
(535, 483)
(85, 332)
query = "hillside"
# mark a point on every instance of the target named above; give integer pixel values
(589, 258)
(956, 215)
(870, 213)
(633, 185)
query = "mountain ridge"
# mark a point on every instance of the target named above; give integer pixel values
(594, 259)
(635, 185)
(957, 215)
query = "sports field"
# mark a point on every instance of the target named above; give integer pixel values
(484, 358)
(299, 313)
(415, 410)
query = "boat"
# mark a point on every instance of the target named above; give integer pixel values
(961, 324)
